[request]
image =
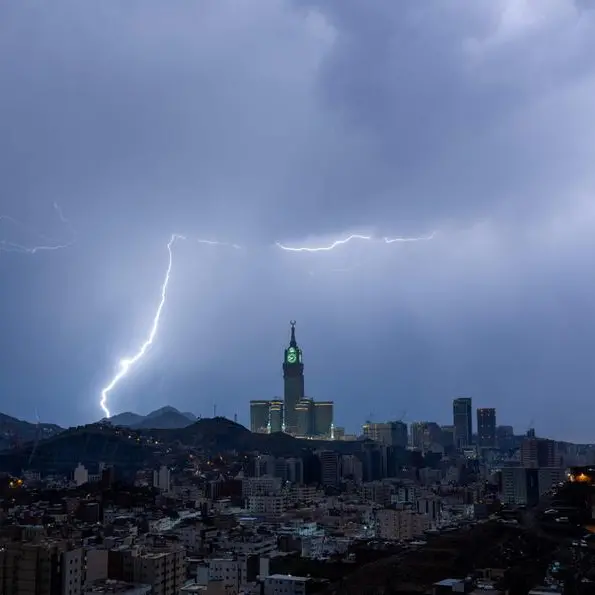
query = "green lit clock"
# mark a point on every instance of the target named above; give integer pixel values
(291, 356)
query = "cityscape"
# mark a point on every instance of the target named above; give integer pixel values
(297, 297)
(169, 504)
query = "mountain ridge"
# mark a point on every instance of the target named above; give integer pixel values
(14, 431)
(164, 418)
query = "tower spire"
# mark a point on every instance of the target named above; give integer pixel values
(292, 342)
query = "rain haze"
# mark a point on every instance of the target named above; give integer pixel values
(300, 122)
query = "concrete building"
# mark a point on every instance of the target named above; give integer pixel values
(46, 568)
(392, 433)
(486, 427)
(113, 587)
(162, 479)
(164, 569)
(323, 418)
(276, 416)
(81, 475)
(286, 584)
(267, 504)
(524, 486)
(394, 525)
(538, 452)
(463, 421)
(259, 416)
(304, 415)
(329, 467)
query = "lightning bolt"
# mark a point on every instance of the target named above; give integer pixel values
(323, 248)
(420, 239)
(348, 239)
(127, 363)
(215, 243)
(50, 246)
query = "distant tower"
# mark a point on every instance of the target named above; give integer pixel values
(462, 421)
(293, 377)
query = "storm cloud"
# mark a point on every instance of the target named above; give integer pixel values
(301, 122)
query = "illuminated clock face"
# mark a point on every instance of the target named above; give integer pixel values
(291, 356)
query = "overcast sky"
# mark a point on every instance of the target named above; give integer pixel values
(252, 122)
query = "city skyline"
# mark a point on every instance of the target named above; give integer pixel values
(468, 130)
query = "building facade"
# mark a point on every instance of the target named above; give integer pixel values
(293, 382)
(259, 416)
(295, 413)
(392, 433)
(486, 427)
(462, 421)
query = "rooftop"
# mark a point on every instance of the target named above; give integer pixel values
(112, 586)
(287, 577)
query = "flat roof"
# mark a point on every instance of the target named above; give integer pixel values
(288, 577)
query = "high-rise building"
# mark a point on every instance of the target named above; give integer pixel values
(538, 452)
(486, 427)
(293, 378)
(416, 434)
(447, 437)
(259, 416)
(505, 437)
(304, 417)
(295, 414)
(392, 433)
(329, 467)
(323, 418)
(276, 416)
(462, 421)
(41, 568)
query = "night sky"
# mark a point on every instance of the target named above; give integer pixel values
(300, 122)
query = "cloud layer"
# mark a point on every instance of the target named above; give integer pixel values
(302, 121)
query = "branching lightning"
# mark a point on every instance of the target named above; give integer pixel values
(348, 239)
(127, 363)
(49, 245)
(420, 239)
(215, 243)
(323, 248)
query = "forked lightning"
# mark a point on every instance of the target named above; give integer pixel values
(126, 363)
(348, 239)
(49, 245)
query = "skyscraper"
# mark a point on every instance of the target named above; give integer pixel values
(293, 378)
(462, 413)
(276, 416)
(259, 416)
(323, 419)
(486, 427)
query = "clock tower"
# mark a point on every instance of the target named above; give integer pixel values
(293, 378)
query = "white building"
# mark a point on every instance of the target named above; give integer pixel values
(264, 485)
(271, 504)
(285, 584)
(81, 475)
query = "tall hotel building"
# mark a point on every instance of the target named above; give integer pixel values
(295, 414)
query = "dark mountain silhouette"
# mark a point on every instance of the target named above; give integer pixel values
(168, 420)
(126, 419)
(132, 449)
(163, 418)
(88, 445)
(219, 434)
(14, 432)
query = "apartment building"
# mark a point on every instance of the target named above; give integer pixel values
(394, 525)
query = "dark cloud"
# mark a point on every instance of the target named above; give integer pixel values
(295, 121)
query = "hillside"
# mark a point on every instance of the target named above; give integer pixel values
(88, 445)
(220, 433)
(15, 431)
(166, 418)
(134, 449)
